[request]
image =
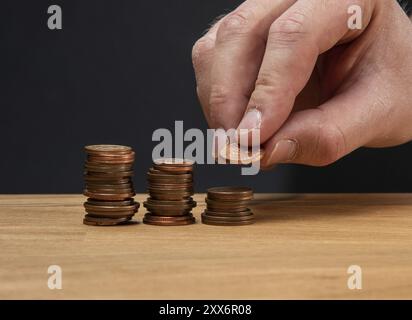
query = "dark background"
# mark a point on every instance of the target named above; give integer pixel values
(117, 71)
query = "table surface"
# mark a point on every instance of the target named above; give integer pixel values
(301, 246)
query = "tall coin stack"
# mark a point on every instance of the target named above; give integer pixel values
(108, 184)
(170, 189)
(228, 206)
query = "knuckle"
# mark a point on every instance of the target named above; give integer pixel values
(267, 85)
(331, 144)
(287, 30)
(202, 47)
(236, 24)
(219, 96)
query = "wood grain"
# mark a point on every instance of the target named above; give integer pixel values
(300, 247)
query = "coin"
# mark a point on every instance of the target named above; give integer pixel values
(243, 213)
(173, 169)
(171, 212)
(188, 201)
(226, 205)
(94, 221)
(177, 196)
(174, 162)
(236, 154)
(170, 189)
(106, 180)
(109, 186)
(170, 186)
(112, 203)
(168, 221)
(104, 196)
(230, 193)
(109, 191)
(113, 156)
(102, 160)
(111, 215)
(108, 174)
(165, 210)
(106, 168)
(155, 176)
(107, 148)
(227, 218)
(225, 223)
(95, 208)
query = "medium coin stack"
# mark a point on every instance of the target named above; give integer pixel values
(228, 206)
(108, 184)
(170, 189)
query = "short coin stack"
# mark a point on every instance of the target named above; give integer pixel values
(227, 206)
(108, 184)
(170, 189)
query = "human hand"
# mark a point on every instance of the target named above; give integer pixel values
(316, 89)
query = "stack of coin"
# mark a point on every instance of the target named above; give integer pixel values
(228, 206)
(108, 184)
(170, 189)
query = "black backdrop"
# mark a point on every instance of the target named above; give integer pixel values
(117, 71)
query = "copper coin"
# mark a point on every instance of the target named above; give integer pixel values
(104, 196)
(170, 186)
(228, 218)
(174, 170)
(109, 161)
(162, 189)
(206, 220)
(169, 213)
(170, 182)
(110, 191)
(241, 155)
(107, 175)
(176, 205)
(227, 203)
(105, 168)
(170, 190)
(111, 215)
(103, 180)
(95, 208)
(176, 162)
(107, 148)
(155, 171)
(167, 210)
(168, 221)
(165, 176)
(109, 186)
(112, 156)
(93, 221)
(214, 213)
(230, 193)
(170, 196)
(112, 203)
(179, 202)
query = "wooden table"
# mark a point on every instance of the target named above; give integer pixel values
(300, 247)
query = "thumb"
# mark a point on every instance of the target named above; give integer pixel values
(322, 135)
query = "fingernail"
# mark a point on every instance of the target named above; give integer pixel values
(284, 151)
(251, 120)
